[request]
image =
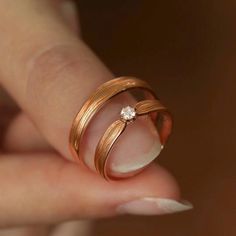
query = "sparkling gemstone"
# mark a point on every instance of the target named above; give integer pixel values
(128, 113)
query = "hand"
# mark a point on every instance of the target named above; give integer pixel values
(50, 72)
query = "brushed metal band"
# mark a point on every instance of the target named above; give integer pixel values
(97, 100)
(115, 130)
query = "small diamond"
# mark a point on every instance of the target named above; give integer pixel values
(128, 113)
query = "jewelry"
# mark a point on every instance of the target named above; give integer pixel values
(128, 114)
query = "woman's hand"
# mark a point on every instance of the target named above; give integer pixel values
(50, 72)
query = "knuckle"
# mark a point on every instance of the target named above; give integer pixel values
(45, 67)
(48, 71)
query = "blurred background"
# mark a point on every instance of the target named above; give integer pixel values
(187, 51)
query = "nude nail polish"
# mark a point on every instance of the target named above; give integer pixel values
(147, 158)
(154, 206)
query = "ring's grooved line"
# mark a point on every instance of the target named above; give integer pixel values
(104, 93)
(105, 145)
(97, 100)
(106, 142)
(148, 106)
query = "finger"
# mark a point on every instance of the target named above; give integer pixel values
(69, 10)
(53, 75)
(45, 188)
(7, 113)
(73, 228)
(26, 231)
(22, 136)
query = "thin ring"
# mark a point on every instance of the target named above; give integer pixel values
(96, 101)
(115, 130)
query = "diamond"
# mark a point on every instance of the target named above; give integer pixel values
(128, 113)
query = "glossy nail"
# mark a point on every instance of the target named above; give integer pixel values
(153, 206)
(141, 145)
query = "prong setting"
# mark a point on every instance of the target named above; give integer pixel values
(128, 114)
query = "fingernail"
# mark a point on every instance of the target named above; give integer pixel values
(139, 163)
(141, 145)
(69, 10)
(153, 206)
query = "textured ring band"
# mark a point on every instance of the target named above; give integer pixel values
(118, 127)
(97, 100)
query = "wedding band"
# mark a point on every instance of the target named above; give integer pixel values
(151, 105)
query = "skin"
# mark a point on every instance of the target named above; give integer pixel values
(43, 57)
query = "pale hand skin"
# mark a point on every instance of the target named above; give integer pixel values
(49, 71)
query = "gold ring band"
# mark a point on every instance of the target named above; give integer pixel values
(97, 100)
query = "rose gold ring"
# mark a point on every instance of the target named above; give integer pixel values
(128, 114)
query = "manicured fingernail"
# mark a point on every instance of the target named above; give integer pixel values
(139, 146)
(69, 10)
(139, 163)
(153, 206)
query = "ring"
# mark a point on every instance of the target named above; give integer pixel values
(151, 105)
